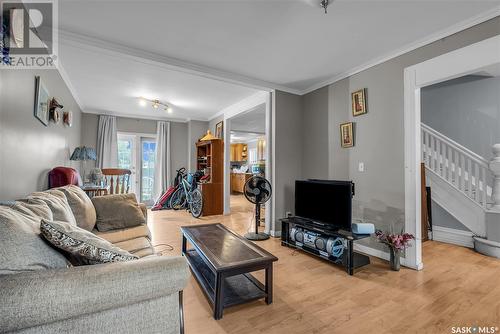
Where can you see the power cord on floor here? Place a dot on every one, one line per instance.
(167, 248)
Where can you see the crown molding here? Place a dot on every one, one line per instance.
(146, 117)
(67, 81)
(118, 50)
(488, 15)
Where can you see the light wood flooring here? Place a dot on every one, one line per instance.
(457, 287)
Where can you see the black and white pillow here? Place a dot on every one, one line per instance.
(83, 246)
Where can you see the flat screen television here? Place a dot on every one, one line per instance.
(325, 203)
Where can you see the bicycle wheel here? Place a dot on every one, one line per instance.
(178, 199)
(196, 204)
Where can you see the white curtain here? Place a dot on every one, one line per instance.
(107, 142)
(162, 163)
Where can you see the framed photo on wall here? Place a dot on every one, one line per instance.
(219, 130)
(347, 134)
(41, 101)
(358, 100)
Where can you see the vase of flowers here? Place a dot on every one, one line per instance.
(397, 243)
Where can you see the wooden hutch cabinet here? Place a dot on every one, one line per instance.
(210, 159)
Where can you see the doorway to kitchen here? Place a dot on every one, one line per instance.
(137, 152)
(247, 157)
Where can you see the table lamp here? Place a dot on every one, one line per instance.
(83, 153)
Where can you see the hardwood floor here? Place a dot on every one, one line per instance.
(457, 287)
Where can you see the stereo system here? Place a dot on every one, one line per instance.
(325, 245)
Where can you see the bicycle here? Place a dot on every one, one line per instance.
(187, 195)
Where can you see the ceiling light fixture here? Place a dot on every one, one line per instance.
(156, 104)
(324, 4)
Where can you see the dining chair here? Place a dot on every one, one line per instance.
(118, 180)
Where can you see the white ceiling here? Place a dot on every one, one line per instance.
(244, 137)
(252, 121)
(105, 83)
(283, 44)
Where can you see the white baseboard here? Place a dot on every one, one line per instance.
(383, 255)
(275, 234)
(453, 236)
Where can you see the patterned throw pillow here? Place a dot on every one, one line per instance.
(83, 246)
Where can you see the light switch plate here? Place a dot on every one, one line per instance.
(361, 167)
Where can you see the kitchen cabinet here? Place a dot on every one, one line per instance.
(239, 152)
(237, 181)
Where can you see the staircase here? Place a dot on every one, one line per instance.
(464, 184)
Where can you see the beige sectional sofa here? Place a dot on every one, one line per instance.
(140, 296)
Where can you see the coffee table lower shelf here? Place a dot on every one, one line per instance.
(237, 289)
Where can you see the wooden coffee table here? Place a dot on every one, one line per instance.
(221, 261)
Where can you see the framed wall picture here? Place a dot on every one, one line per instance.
(42, 98)
(358, 100)
(219, 130)
(347, 134)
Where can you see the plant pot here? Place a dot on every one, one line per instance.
(395, 259)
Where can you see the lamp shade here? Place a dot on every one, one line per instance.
(83, 153)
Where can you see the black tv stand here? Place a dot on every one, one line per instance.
(349, 259)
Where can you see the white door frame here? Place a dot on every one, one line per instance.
(464, 61)
(229, 113)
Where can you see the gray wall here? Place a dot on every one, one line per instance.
(178, 135)
(314, 127)
(379, 134)
(213, 122)
(28, 148)
(288, 139)
(338, 113)
(196, 130)
(467, 112)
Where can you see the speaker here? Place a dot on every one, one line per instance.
(335, 247)
(320, 243)
(297, 234)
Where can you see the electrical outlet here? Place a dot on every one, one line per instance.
(361, 167)
(288, 214)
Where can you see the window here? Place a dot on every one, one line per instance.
(137, 152)
(252, 155)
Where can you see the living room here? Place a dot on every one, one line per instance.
(351, 115)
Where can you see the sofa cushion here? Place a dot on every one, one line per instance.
(58, 204)
(83, 246)
(124, 234)
(140, 245)
(117, 211)
(22, 248)
(81, 206)
(35, 208)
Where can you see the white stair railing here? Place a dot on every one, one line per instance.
(463, 169)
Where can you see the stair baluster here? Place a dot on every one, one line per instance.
(461, 168)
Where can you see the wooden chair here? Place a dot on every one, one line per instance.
(117, 179)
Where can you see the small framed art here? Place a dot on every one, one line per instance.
(358, 100)
(347, 134)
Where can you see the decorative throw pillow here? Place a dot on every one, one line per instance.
(58, 204)
(81, 205)
(22, 248)
(117, 211)
(83, 246)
